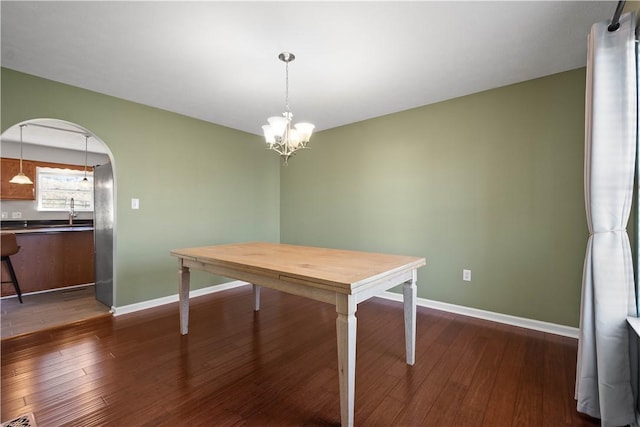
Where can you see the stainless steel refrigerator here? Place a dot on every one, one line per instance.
(103, 222)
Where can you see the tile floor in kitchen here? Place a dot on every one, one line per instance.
(46, 310)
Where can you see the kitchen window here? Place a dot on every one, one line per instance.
(56, 187)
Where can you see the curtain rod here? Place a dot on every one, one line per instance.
(57, 128)
(615, 21)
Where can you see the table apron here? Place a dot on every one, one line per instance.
(292, 285)
(372, 289)
(314, 293)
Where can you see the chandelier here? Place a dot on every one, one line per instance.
(279, 135)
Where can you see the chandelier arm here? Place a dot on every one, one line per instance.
(277, 148)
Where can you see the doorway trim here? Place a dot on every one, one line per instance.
(112, 160)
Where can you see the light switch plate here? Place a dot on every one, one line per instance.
(135, 203)
(5, 215)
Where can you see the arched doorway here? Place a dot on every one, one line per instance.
(62, 142)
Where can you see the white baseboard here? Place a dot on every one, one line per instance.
(536, 325)
(131, 308)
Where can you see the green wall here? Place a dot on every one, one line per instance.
(490, 182)
(198, 183)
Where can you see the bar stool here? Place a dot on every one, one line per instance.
(9, 246)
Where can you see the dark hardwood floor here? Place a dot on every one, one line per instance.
(279, 367)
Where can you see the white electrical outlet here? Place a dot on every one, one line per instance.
(5, 215)
(16, 215)
(466, 275)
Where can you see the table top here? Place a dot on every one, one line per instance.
(330, 266)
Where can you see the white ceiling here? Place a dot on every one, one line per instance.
(217, 61)
(65, 135)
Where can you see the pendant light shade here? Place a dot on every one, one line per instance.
(21, 178)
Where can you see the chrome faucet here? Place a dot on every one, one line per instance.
(72, 212)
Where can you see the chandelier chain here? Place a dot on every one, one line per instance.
(286, 100)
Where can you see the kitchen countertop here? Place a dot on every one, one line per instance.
(45, 226)
(46, 229)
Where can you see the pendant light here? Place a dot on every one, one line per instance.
(85, 184)
(21, 178)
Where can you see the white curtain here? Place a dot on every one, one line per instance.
(603, 380)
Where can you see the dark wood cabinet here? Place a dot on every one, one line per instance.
(51, 260)
(8, 169)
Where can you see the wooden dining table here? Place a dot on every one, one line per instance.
(340, 277)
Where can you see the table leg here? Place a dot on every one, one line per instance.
(183, 293)
(409, 301)
(346, 326)
(256, 297)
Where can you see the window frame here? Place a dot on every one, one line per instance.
(75, 173)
